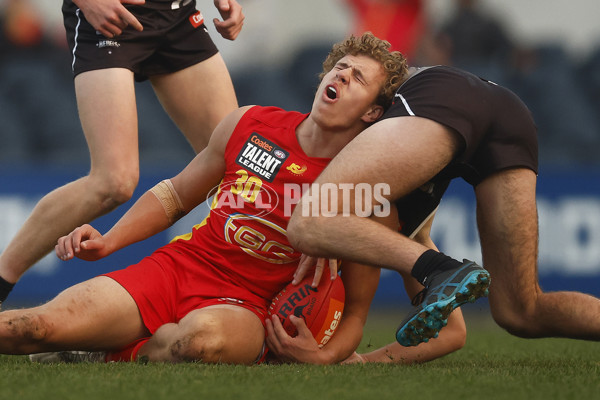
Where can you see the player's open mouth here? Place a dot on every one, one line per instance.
(331, 92)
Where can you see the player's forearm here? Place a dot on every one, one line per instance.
(395, 353)
(344, 342)
(450, 339)
(360, 282)
(144, 219)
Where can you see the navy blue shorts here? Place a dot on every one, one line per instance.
(496, 129)
(171, 40)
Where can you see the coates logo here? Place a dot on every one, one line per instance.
(247, 195)
(337, 317)
(197, 19)
(261, 156)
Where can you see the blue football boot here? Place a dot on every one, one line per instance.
(444, 291)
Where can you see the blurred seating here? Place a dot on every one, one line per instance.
(588, 76)
(39, 122)
(549, 84)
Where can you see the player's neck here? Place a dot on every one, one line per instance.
(324, 143)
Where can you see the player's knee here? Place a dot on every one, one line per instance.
(204, 346)
(203, 341)
(518, 321)
(27, 328)
(121, 187)
(115, 188)
(514, 326)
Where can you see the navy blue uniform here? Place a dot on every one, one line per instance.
(174, 38)
(496, 128)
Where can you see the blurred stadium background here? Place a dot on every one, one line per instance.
(547, 52)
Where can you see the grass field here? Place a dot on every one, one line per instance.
(493, 365)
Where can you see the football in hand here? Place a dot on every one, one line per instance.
(320, 307)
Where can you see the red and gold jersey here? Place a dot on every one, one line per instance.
(244, 235)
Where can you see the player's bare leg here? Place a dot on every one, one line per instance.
(220, 333)
(98, 314)
(450, 339)
(107, 110)
(508, 225)
(396, 151)
(404, 153)
(197, 98)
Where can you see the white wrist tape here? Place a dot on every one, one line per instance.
(168, 197)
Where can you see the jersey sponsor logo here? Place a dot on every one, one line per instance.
(261, 156)
(296, 169)
(259, 238)
(197, 19)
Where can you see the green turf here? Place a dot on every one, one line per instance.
(492, 365)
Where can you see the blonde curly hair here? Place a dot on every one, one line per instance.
(367, 44)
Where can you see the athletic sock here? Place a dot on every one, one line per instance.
(128, 353)
(5, 288)
(432, 261)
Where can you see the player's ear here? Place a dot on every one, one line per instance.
(373, 114)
